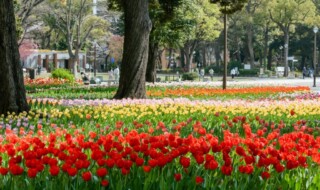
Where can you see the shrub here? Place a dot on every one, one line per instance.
(62, 74)
(250, 72)
(233, 64)
(268, 72)
(189, 76)
(216, 69)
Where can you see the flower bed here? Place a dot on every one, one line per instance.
(176, 155)
(164, 143)
(46, 83)
(209, 92)
(195, 92)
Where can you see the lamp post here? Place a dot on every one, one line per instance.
(315, 30)
(224, 79)
(95, 60)
(94, 57)
(285, 58)
(281, 54)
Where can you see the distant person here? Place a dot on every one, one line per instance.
(211, 72)
(85, 78)
(116, 73)
(197, 71)
(202, 73)
(310, 73)
(233, 72)
(110, 74)
(39, 70)
(304, 72)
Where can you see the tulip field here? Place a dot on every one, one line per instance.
(183, 136)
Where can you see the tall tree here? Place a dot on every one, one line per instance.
(163, 33)
(135, 53)
(286, 14)
(26, 7)
(23, 10)
(227, 7)
(136, 44)
(12, 90)
(202, 23)
(250, 10)
(76, 22)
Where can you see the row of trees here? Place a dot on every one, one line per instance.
(150, 26)
(257, 31)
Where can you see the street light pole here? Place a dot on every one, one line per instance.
(94, 61)
(281, 54)
(224, 83)
(315, 30)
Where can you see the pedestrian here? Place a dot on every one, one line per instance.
(202, 73)
(233, 72)
(116, 73)
(197, 71)
(110, 74)
(304, 72)
(85, 78)
(211, 71)
(39, 69)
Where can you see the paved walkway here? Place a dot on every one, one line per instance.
(292, 82)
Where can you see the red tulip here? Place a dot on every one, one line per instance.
(32, 172)
(199, 180)
(177, 177)
(146, 169)
(184, 161)
(265, 175)
(101, 172)
(86, 176)
(104, 183)
(54, 170)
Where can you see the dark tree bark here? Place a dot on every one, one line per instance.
(182, 58)
(250, 44)
(204, 58)
(217, 51)
(151, 66)
(269, 64)
(12, 90)
(265, 44)
(188, 49)
(135, 53)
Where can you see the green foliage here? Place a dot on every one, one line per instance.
(169, 5)
(290, 12)
(250, 72)
(230, 6)
(189, 76)
(268, 72)
(61, 45)
(62, 74)
(233, 64)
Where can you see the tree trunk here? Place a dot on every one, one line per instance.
(170, 57)
(269, 64)
(12, 90)
(204, 60)
(286, 47)
(238, 54)
(151, 66)
(265, 51)
(188, 51)
(250, 44)
(182, 59)
(188, 60)
(136, 46)
(217, 53)
(303, 62)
